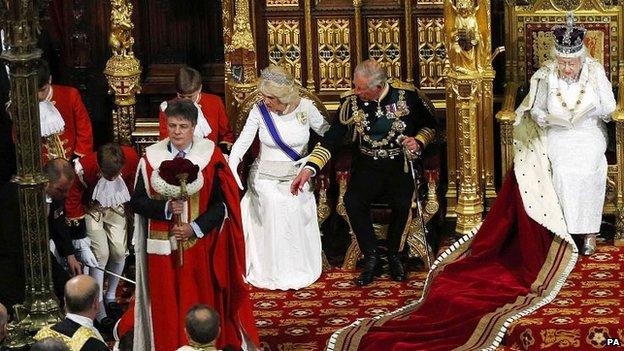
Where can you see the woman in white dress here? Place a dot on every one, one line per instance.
(573, 101)
(282, 237)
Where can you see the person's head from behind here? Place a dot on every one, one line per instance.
(181, 121)
(49, 344)
(44, 80)
(111, 159)
(82, 296)
(369, 80)
(60, 178)
(202, 324)
(278, 88)
(188, 83)
(4, 318)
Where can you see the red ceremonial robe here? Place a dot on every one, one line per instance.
(213, 265)
(214, 111)
(81, 191)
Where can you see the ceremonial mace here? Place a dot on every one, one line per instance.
(182, 178)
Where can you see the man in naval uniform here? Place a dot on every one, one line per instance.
(77, 330)
(390, 125)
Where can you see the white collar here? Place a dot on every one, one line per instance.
(82, 320)
(85, 322)
(51, 121)
(111, 193)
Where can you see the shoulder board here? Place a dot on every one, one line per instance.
(347, 93)
(402, 85)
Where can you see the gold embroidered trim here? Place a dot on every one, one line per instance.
(425, 136)
(319, 156)
(75, 343)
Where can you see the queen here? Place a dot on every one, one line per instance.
(571, 100)
(282, 237)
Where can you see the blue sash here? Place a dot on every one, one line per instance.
(294, 155)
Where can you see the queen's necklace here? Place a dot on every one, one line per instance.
(579, 98)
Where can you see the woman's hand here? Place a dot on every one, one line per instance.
(299, 182)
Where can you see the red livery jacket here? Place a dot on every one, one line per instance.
(81, 191)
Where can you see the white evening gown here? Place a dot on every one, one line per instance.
(577, 153)
(282, 237)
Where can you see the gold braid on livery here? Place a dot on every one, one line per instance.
(319, 156)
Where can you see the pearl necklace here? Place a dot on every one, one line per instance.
(579, 98)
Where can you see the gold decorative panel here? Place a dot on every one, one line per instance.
(282, 3)
(431, 52)
(334, 48)
(384, 38)
(284, 45)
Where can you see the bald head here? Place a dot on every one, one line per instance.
(202, 324)
(81, 295)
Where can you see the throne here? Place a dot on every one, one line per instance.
(424, 203)
(321, 181)
(529, 41)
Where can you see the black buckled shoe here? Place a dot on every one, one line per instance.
(397, 270)
(371, 269)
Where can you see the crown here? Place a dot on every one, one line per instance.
(568, 37)
(276, 77)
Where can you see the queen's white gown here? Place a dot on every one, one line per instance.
(282, 237)
(577, 151)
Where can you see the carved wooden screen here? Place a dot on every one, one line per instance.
(321, 41)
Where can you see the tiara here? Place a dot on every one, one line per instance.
(278, 78)
(568, 37)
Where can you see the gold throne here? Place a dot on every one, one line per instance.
(529, 41)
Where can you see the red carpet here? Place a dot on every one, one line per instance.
(305, 319)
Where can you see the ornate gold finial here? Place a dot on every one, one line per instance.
(123, 70)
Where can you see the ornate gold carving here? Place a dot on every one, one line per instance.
(282, 3)
(120, 39)
(284, 45)
(240, 65)
(123, 71)
(242, 38)
(334, 50)
(464, 38)
(431, 52)
(309, 53)
(384, 44)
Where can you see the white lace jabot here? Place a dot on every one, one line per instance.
(111, 193)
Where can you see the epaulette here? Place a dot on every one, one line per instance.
(343, 112)
(397, 84)
(347, 93)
